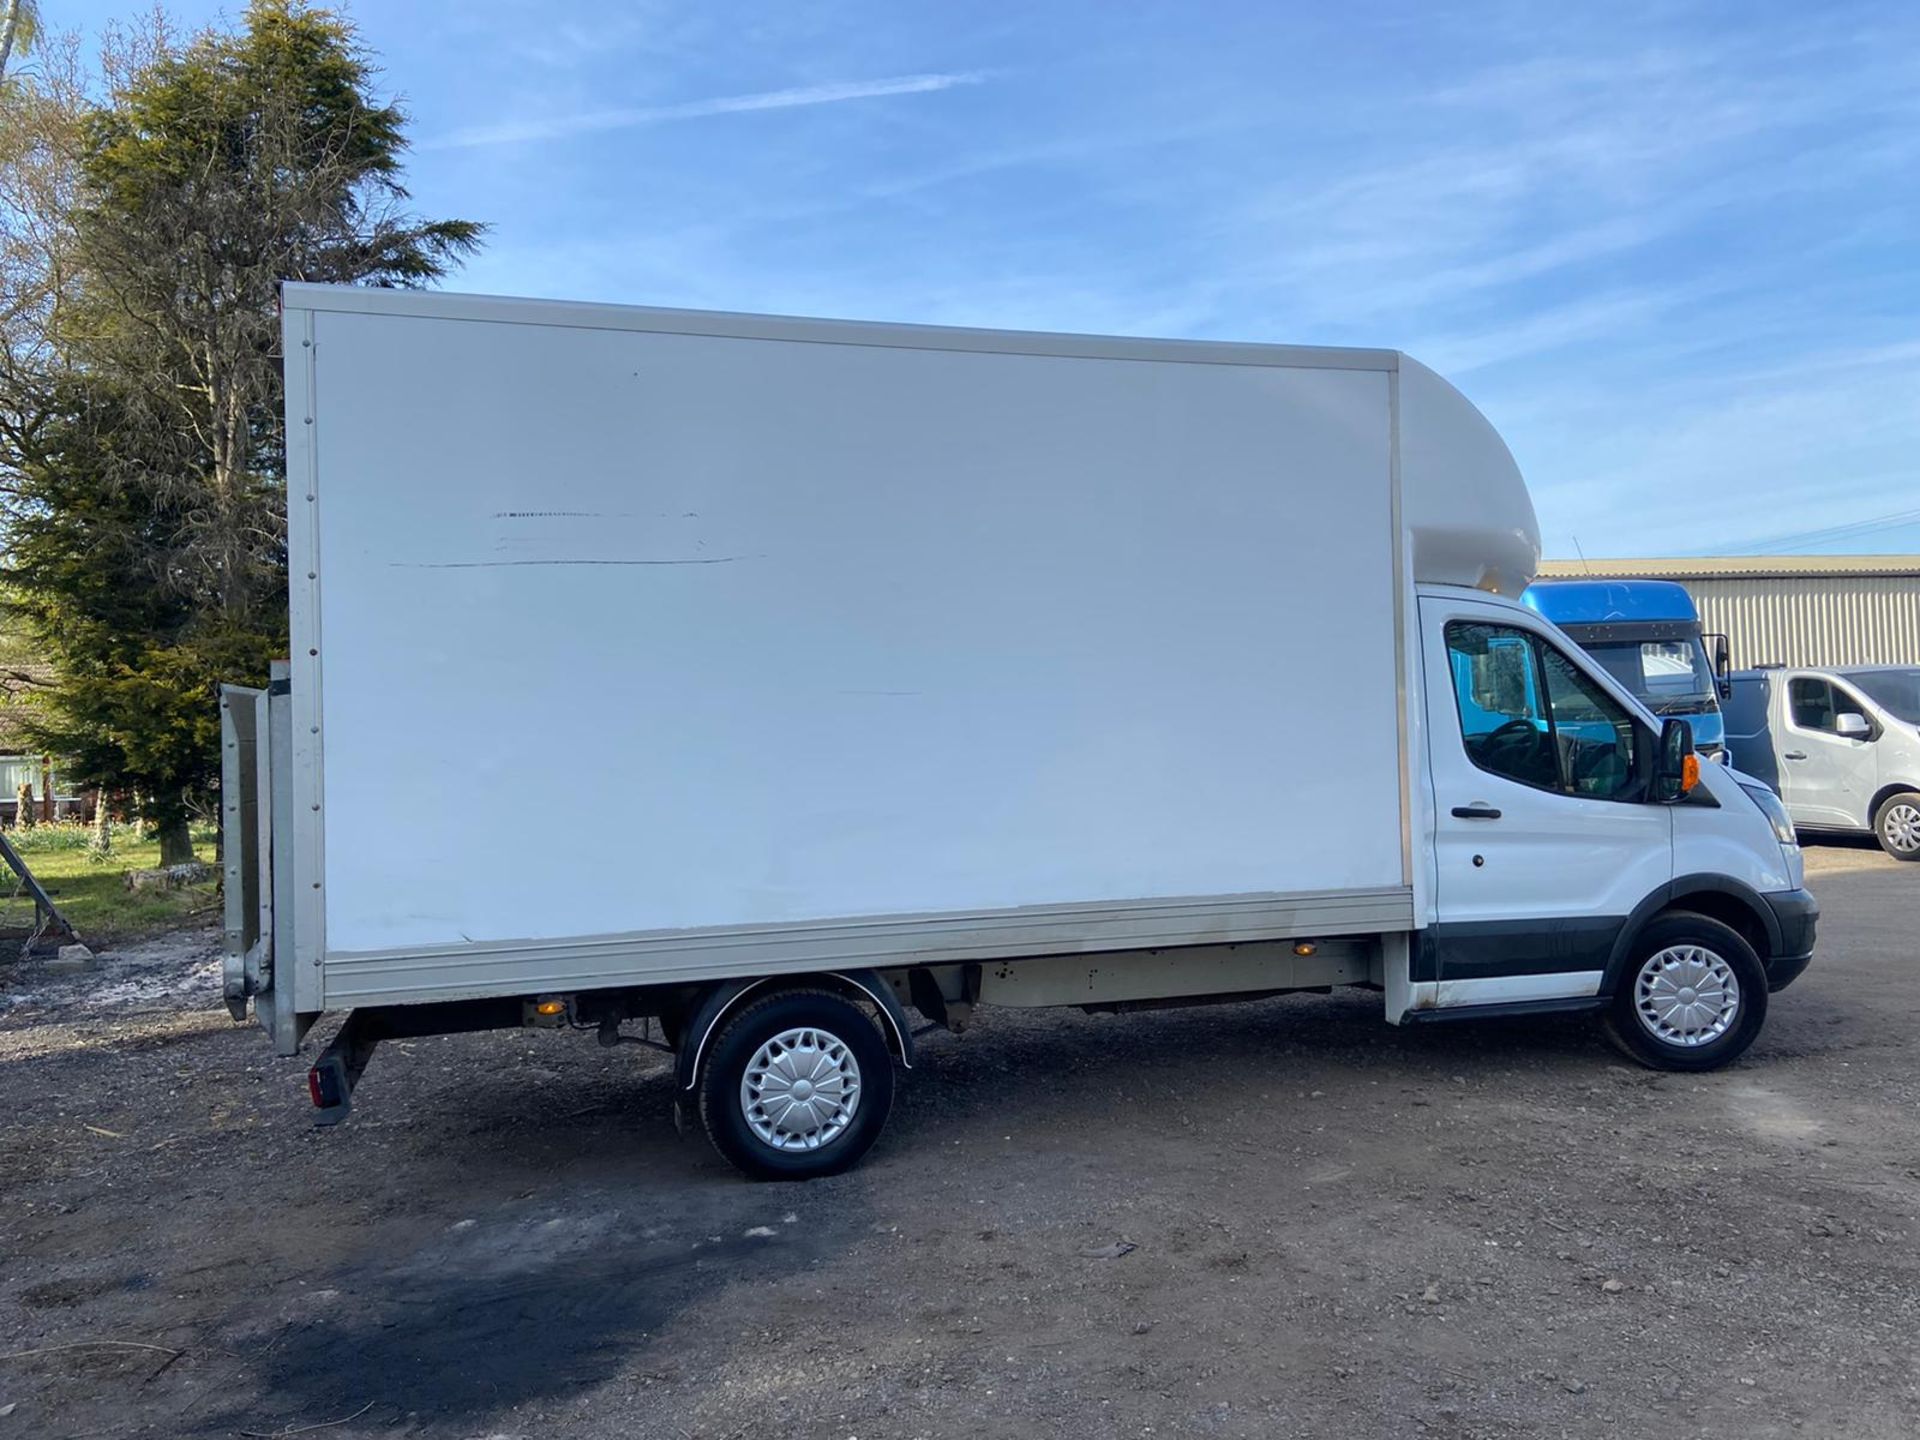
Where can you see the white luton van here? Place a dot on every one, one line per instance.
(863, 674)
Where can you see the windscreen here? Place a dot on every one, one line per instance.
(1895, 691)
(1673, 677)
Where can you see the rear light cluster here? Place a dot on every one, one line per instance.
(324, 1084)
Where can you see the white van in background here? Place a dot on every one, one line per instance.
(1840, 747)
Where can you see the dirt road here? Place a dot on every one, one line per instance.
(1338, 1228)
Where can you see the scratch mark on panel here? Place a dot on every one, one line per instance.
(498, 564)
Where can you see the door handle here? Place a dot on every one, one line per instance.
(1475, 812)
(1794, 755)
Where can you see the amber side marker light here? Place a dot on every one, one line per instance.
(1689, 774)
(1305, 947)
(550, 1007)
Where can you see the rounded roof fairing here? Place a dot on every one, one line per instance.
(1463, 501)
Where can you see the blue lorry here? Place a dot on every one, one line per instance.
(1646, 633)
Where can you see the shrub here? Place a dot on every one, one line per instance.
(57, 835)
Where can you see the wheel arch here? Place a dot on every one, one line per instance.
(1884, 794)
(1718, 897)
(728, 996)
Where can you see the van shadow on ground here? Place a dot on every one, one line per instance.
(535, 1297)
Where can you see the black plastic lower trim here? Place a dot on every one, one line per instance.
(1783, 970)
(1578, 1005)
(1797, 916)
(1686, 885)
(1674, 895)
(1559, 945)
(1496, 949)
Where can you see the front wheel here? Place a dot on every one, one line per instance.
(1896, 825)
(1693, 997)
(797, 1085)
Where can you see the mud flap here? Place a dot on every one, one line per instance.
(1392, 965)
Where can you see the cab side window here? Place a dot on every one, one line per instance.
(1531, 715)
(1502, 719)
(1811, 702)
(1845, 702)
(1593, 734)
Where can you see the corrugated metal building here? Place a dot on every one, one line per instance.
(1791, 609)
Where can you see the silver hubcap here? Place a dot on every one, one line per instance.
(1901, 826)
(801, 1089)
(1686, 995)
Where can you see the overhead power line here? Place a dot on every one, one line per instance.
(1776, 544)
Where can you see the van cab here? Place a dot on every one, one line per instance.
(1840, 747)
(1558, 860)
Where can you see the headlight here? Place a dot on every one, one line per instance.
(1775, 812)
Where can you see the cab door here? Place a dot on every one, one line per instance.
(1543, 844)
(1826, 778)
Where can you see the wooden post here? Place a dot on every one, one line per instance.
(46, 788)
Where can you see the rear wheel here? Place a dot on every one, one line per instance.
(797, 1085)
(1896, 825)
(1693, 997)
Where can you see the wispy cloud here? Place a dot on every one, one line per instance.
(560, 127)
(1670, 259)
(1578, 322)
(1725, 459)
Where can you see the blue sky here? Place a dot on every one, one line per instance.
(1671, 250)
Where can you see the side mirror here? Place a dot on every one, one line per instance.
(1851, 726)
(1722, 664)
(1676, 769)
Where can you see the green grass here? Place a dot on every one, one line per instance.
(91, 889)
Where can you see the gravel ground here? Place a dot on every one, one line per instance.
(1337, 1228)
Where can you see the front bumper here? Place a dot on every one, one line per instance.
(1797, 914)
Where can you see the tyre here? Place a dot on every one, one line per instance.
(798, 1084)
(1896, 825)
(1693, 996)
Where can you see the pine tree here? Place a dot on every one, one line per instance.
(146, 524)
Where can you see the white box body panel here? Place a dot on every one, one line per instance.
(621, 629)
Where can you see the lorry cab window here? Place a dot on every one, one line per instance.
(1529, 714)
